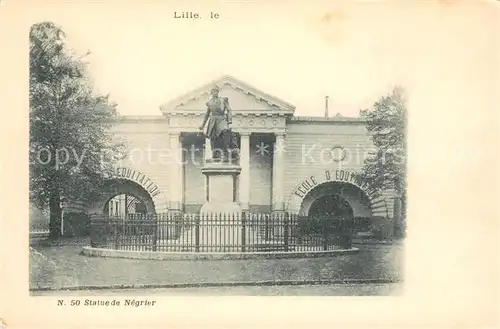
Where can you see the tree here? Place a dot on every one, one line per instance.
(385, 168)
(71, 149)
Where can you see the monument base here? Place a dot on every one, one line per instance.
(220, 185)
(220, 207)
(220, 216)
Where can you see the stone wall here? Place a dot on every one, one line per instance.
(309, 145)
(147, 143)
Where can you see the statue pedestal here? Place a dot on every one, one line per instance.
(220, 187)
(220, 216)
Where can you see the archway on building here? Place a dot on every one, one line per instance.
(330, 205)
(336, 196)
(125, 204)
(123, 197)
(338, 200)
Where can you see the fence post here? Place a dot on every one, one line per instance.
(243, 231)
(93, 231)
(286, 225)
(115, 233)
(266, 226)
(300, 228)
(155, 232)
(325, 233)
(197, 232)
(179, 221)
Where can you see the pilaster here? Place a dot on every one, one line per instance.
(244, 179)
(176, 178)
(278, 171)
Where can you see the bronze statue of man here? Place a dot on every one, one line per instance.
(219, 119)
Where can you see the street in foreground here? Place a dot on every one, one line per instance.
(303, 290)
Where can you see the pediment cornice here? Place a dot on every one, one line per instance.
(258, 102)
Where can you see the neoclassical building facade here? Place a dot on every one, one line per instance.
(305, 165)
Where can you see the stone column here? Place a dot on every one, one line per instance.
(244, 179)
(182, 156)
(278, 171)
(176, 173)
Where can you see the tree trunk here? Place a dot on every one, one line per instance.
(399, 208)
(403, 215)
(55, 215)
(397, 216)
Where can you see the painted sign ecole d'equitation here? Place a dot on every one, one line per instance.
(335, 175)
(139, 178)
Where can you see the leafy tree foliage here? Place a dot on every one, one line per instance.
(71, 150)
(385, 168)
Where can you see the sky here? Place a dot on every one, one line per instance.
(298, 51)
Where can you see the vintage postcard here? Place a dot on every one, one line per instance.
(291, 157)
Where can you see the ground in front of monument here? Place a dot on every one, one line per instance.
(348, 289)
(61, 270)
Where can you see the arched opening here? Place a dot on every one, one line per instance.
(336, 196)
(331, 205)
(335, 200)
(124, 204)
(122, 197)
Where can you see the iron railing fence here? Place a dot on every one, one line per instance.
(220, 232)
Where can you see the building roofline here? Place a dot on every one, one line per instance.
(327, 119)
(292, 119)
(141, 118)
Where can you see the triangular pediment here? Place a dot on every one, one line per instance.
(242, 98)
